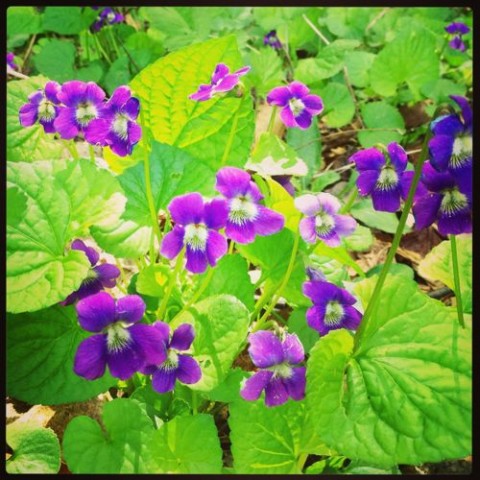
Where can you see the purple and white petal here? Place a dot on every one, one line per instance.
(217, 247)
(92, 255)
(216, 213)
(456, 223)
(344, 225)
(329, 203)
(188, 370)
(275, 393)
(316, 319)
(134, 132)
(268, 222)
(368, 159)
(163, 380)
(72, 92)
(164, 330)
(307, 204)
(96, 131)
(244, 233)
(304, 119)
(196, 260)
(94, 93)
(332, 239)
(287, 117)
(28, 114)
(226, 84)
(130, 308)
(232, 181)
(352, 318)
(398, 156)
(242, 71)
(132, 108)
(279, 96)
(436, 181)
(96, 312)
(298, 89)
(313, 103)
(405, 184)
(51, 91)
(307, 229)
(253, 386)
(65, 123)
(172, 242)
(125, 361)
(293, 349)
(120, 97)
(187, 208)
(447, 125)
(386, 200)
(203, 93)
(296, 383)
(464, 104)
(90, 357)
(221, 70)
(150, 341)
(183, 337)
(265, 349)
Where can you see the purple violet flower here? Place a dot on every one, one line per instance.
(122, 343)
(298, 105)
(177, 366)
(83, 103)
(107, 16)
(285, 182)
(383, 176)
(322, 220)
(117, 127)
(222, 81)
(457, 29)
(196, 225)
(451, 146)
(99, 276)
(272, 40)
(246, 217)
(11, 61)
(447, 201)
(276, 374)
(332, 307)
(42, 106)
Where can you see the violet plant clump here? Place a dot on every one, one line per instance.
(108, 16)
(456, 30)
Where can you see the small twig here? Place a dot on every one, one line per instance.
(339, 169)
(316, 30)
(377, 18)
(14, 73)
(29, 50)
(411, 152)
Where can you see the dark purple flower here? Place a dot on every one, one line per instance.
(382, 176)
(99, 276)
(451, 146)
(322, 220)
(122, 343)
(447, 201)
(222, 81)
(276, 374)
(177, 366)
(246, 217)
(285, 182)
(457, 29)
(272, 40)
(107, 16)
(42, 106)
(11, 61)
(117, 127)
(83, 103)
(298, 105)
(196, 225)
(332, 307)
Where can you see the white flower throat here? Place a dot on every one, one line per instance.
(85, 113)
(333, 313)
(283, 370)
(120, 126)
(324, 223)
(296, 106)
(117, 337)
(242, 210)
(196, 235)
(46, 110)
(462, 149)
(388, 178)
(453, 201)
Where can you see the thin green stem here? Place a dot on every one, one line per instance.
(271, 122)
(374, 299)
(194, 402)
(91, 151)
(87, 45)
(231, 136)
(101, 49)
(114, 42)
(231, 247)
(349, 203)
(171, 284)
(262, 300)
(152, 255)
(301, 461)
(70, 145)
(456, 280)
(286, 278)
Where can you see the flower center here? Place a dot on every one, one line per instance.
(117, 337)
(324, 223)
(46, 110)
(283, 370)
(111, 17)
(91, 276)
(462, 149)
(388, 179)
(85, 113)
(333, 313)
(242, 210)
(453, 201)
(171, 362)
(120, 126)
(196, 235)
(296, 106)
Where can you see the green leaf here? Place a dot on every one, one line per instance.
(338, 101)
(26, 144)
(55, 60)
(152, 280)
(361, 240)
(121, 445)
(221, 324)
(338, 253)
(270, 440)
(386, 121)
(187, 445)
(439, 90)
(437, 266)
(363, 211)
(325, 179)
(172, 171)
(41, 347)
(118, 74)
(358, 65)
(267, 71)
(63, 20)
(229, 390)
(297, 323)
(93, 72)
(403, 396)
(39, 271)
(230, 276)
(282, 202)
(35, 450)
(23, 20)
(202, 129)
(409, 58)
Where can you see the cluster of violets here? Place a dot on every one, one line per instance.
(456, 30)
(108, 16)
(78, 107)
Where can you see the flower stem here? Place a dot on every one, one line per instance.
(286, 278)
(374, 299)
(194, 402)
(231, 247)
(91, 151)
(173, 279)
(231, 136)
(101, 49)
(113, 41)
(71, 148)
(456, 280)
(349, 203)
(271, 122)
(301, 461)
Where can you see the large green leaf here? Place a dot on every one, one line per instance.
(437, 265)
(173, 172)
(121, 445)
(358, 65)
(267, 71)
(35, 450)
(39, 272)
(404, 394)
(63, 20)
(27, 143)
(187, 445)
(271, 440)
(221, 324)
(56, 60)
(339, 103)
(41, 347)
(201, 128)
(23, 20)
(409, 58)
